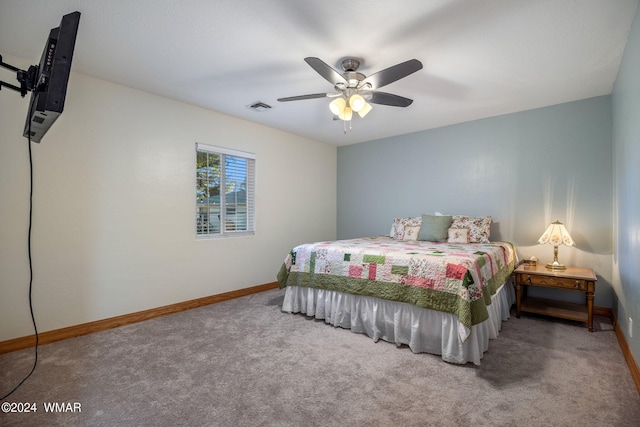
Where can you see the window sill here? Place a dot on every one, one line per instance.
(225, 236)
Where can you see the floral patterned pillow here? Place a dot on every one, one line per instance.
(479, 227)
(411, 232)
(458, 235)
(399, 224)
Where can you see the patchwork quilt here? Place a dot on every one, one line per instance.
(455, 278)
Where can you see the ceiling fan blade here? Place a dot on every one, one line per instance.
(331, 75)
(301, 97)
(392, 74)
(390, 99)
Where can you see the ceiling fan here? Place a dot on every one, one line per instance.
(354, 89)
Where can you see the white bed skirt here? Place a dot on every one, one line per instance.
(423, 330)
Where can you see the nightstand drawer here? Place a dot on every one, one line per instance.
(556, 282)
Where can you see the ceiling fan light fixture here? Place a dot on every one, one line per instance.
(337, 106)
(356, 102)
(353, 89)
(365, 110)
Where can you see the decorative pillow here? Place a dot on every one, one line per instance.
(411, 232)
(399, 224)
(434, 228)
(479, 227)
(458, 235)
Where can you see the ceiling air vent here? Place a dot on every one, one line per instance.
(259, 106)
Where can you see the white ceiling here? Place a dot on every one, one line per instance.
(481, 58)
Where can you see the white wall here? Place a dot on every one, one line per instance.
(114, 214)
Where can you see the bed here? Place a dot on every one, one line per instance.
(439, 294)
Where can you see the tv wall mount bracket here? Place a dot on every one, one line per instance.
(27, 79)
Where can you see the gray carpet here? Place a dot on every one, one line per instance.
(245, 363)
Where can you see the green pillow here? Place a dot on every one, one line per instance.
(435, 228)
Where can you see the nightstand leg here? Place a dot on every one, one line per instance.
(590, 311)
(518, 297)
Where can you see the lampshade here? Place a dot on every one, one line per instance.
(337, 106)
(365, 110)
(356, 102)
(556, 234)
(346, 114)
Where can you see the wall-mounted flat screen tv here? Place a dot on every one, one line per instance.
(50, 86)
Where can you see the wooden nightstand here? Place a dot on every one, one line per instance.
(574, 278)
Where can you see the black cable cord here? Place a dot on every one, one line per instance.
(33, 319)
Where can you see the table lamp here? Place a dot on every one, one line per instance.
(556, 235)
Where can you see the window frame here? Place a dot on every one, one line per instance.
(250, 192)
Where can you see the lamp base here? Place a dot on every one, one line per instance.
(556, 266)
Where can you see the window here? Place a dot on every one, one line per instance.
(225, 192)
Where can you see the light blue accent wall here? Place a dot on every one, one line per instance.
(626, 148)
(524, 169)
